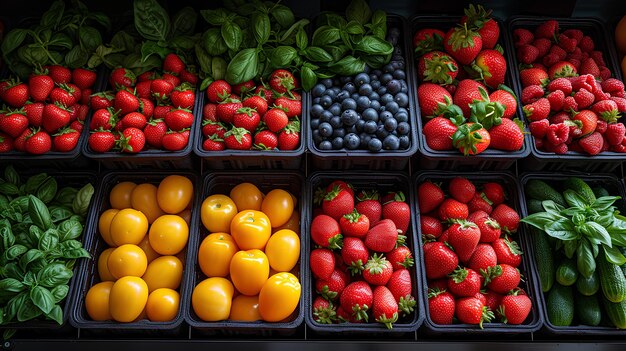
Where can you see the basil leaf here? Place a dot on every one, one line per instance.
(14, 252)
(49, 240)
(70, 230)
(326, 35)
(28, 310)
(9, 189)
(243, 67)
(282, 56)
(261, 24)
(570, 247)
(52, 17)
(613, 255)
(13, 40)
(65, 196)
(302, 40)
(151, 20)
(283, 15)
(77, 57)
(39, 213)
(358, 10)
(4, 201)
(604, 202)
(219, 68)
(33, 183)
(334, 20)
(11, 285)
(59, 214)
(42, 298)
(101, 19)
(204, 60)
(372, 45)
(53, 275)
(149, 48)
(184, 42)
(231, 33)
(552, 208)
(47, 190)
(14, 304)
(215, 17)
(184, 21)
(573, 199)
(60, 292)
(348, 66)
(205, 83)
(214, 44)
(562, 229)
(30, 256)
(376, 61)
(317, 54)
(89, 37)
(11, 175)
(379, 24)
(11, 270)
(354, 27)
(82, 199)
(56, 314)
(284, 37)
(585, 261)
(309, 79)
(337, 51)
(8, 239)
(76, 253)
(600, 233)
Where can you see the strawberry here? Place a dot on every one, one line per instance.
(218, 91)
(54, 118)
(592, 143)
(175, 141)
(463, 237)
(401, 257)
(14, 123)
(238, 139)
(134, 119)
(322, 263)
(471, 310)
(607, 110)
(354, 224)
(333, 287)
(377, 270)
(476, 216)
(508, 251)
(283, 81)
(527, 54)
(398, 211)
(502, 278)
(170, 78)
(143, 91)
(491, 66)
(562, 84)
(383, 236)
(256, 102)
(483, 257)
(265, 140)
(161, 89)
(38, 143)
(562, 69)
(77, 126)
(325, 232)
(531, 94)
(357, 298)
(401, 288)
(40, 87)
(227, 109)
(464, 282)
(584, 98)
(84, 78)
(543, 45)
(341, 185)
(385, 307)
(147, 76)
(122, 78)
(441, 306)
(438, 133)
(452, 209)
(612, 86)
(427, 40)
(6, 143)
(103, 118)
(589, 66)
(266, 93)
(213, 143)
(154, 131)
(522, 36)
(173, 64)
(179, 119)
(461, 189)
(479, 18)
(210, 128)
(183, 97)
(478, 203)
(101, 100)
(246, 118)
(507, 217)
(621, 103)
(126, 102)
(66, 140)
(324, 311)
(132, 140)
(16, 94)
(337, 203)
(275, 119)
(533, 76)
(101, 141)
(538, 110)
(507, 99)
(289, 137)
(490, 229)
(244, 88)
(547, 29)
(59, 74)
(291, 107)
(437, 67)
(430, 97)
(494, 192)
(354, 253)
(439, 260)
(430, 226)
(471, 139)
(615, 133)
(467, 91)
(146, 107)
(160, 111)
(507, 136)
(369, 206)
(588, 119)
(429, 197)
(463, 44)
(515, 307)
(19, 143)
(189, 77)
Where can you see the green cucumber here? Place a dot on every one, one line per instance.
(567, 273)
(540, 190)
(616, 312)
(544, 257)
(600, 192)
(560, 305)
(581, 188)
(588, 286)
(588, 309)
(612, 280)
(534, 206)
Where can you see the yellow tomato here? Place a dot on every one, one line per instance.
(247, 197)
(162, 305)
(128, 226)
(278, 206)
(212, 298)
(251, 230)
(186, 215)
(283, 250)
(164, 272)
(144, 199)
(151, 255)
(279, 297)
(292, 224)
(169, 234)
(127, 260)
(97, 301)
(119, 197)
(128, 298)
(215, 253)
(217, 212)
(174, 193)
(245, 308)
(104, 225)
(103, 268)
(249, 271)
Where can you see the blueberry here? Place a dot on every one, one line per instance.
(348, 104)
(403, 110)
(392, 107)
(336, 89)
(361, 78)
(339, 132)
(402, 99)
(377, 72)
(349, 87)
(394, 86)
(330, 93)
(351, 141)
(336, 82)
(318, 90)
(375, 84)
(375, 104)
(315, 123)
(362, 103)
(367, 69)
(405, 142)
(337, 143)
(316, 100)
(375, 145)
(370, 127)
(385, 115)
(385, 78)
(391, 142)
(399, 74)
(328, 83)
(399, 64)
(369, 114)
(397, 57)
(335, 122)
(365, 89)
(360, 124)
(326, 145)
(335, 109)
(386, 98)
(325, 129)
(401, 116)
(405, 87)
(349, 117)
(387, 69)
(316, 110)
(373, 77)
(342, 95)
(355, 95)
(345, 79)
(382, 90)
(317, 138)
(391, 124)
(351, 129)
(374, 96)
(326, 116)
(365, 138)
(403, 128)
(381, 132)
(326, 101)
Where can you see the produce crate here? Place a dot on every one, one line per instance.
(364, 159)
(453, 159)
(46, 328)
(616, 188)
(222, 183)
(89, 269)
(534, 321)
(391, 181)
(539, 160)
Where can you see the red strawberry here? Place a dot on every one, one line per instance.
(38, 143)
(132, 140)
(492, 65)
(283, 81)
(369, 206)
(401, 257)
(382, 237)
(461, 189)
(246, 118)
(175, 141)
(101, 141)
(84, 78)
(357, 297)
(508, 251)
(562, 69)
(275, 119)
(266, 93)
(332, 287)
(289, 137)
(452, 209)
(547, 29)
(244, 88)
(430, 97)
(161, 89)
(377, 270)
(183, 97)
(40, 87)
(337, 203)
(19, 143)
(507, 136)
(437, 67)
(6, 142)
(612, 86)
(227, 109)
(430, 226)
(592, 144)
(323, 311)
(341, 185)
(385, 307)
(213, 143)
(588, 121)
(515, 307)
(401, 288)
(126, 102)
(122, 77)
(478, 203)
(507, 217)
(155, 131)
(291, 107)
(522, 36)
(170, 78)
(66, 140)
(463, 237)
(325, 232)
(607, 110)
(238, 139)
(173, 63)
(103, 118)
(463, 44)
(489, 229)
(621, 103)
(467, 91)
(471, 310)
(441, 306)
(533, 76)
(14, 123)
(494, 192)
(256, 102)
(265, 140)
(464, 282)
(527, 54)
(322, 263)
(538, 110)
(54, 118)
(615, 133)
(428, 39)
(134, 119)
(179, 119)
(354, 224)
(438, 133)
(502, 278)
(483, 257)
(398, 211)
(543, 45)
(189, 77)
(476, 216)
(507, 99)
(15, 94)
(142, 89)
(218, 91)
(354, 253)
(589, 66)
(480, 18)
(101, 100)
(439, 260)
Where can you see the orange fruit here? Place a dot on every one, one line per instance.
(620, 37)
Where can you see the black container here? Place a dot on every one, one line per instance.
(46, 328)
(489, 159)
(616, 188)
(89, 269)
(392, 181)
(222, 183)
(364, 159)
(250, 159)
(534, 321)
(539, 160)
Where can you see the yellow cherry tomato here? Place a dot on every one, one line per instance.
(247, 197)
(215, 254)
(128, 298)
(119, 197)
(104, 225)
(151, 255)
(186, 215)
(162, 305)
(245, 308)
(292, 224)
(127, 260)
(169, 234)
(129, 226)
(251, 230)
(103, 268)
(216, 213)
(283, 250)
(278, 206)
(144, 199)
(97, 301)
(212, 298)
(279, 297)
(164, 272)
(174, 193)
(249, 271)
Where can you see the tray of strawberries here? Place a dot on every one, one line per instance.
(469, 114)
(477, 275)
(571, 92)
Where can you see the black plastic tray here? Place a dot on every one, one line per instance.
(89, 269)
(615, 187)
(534, 321)
(250, 159)
(364, 159)
(63, 178)
(391, 181)
(489, 159)
(606, 161)
(222, 183)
